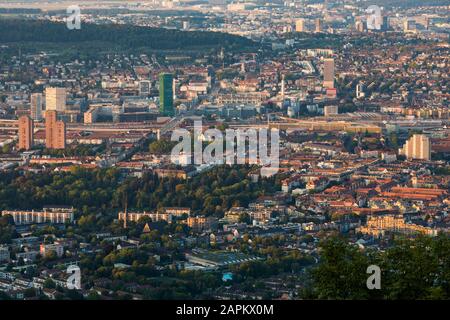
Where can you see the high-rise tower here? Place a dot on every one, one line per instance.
(26, 128)
(328, 73)
(36, 106)
(55, 131)
(166, 94)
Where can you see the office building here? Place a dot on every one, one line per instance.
(166, 94)
(417, 147)
(26, 130)
(36, 106)
(55, 131)
(55, 99)
(328, 73)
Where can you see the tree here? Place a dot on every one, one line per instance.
(410, 269)
(49, 284)
(417, 269)
(29, 293)
(93, 295)
(4, 296)
(6, 148)
(7, 229)
(245, 218)
(341, 273)
(161, 146)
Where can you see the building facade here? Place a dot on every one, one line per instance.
(330, 111)
(47, 215)
(328, 73)
(55, 99)
(144, 88)
(200, 223)
(46, 249)
(318, 25)
(26, 130)
(378, 225)
(300, 25)
(36, 102)
(55, 131)
(417, 147)
(136, 216)
(166, 94)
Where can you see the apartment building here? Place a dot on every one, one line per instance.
(26, 130)
(47, 215)
(46, 249)
(378, 225)
(417, 147)
(55, 131)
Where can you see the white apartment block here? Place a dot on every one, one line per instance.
(47, 215)
(417, 147)
(136, 216)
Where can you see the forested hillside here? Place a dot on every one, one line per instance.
(125, 36)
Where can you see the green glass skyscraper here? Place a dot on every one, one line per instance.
(166, 94)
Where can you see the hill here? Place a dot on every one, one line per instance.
(42, 33)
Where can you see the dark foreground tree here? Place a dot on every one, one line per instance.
(411, 269)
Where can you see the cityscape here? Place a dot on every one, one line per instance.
(225, 150)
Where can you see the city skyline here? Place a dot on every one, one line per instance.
(224, 151)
